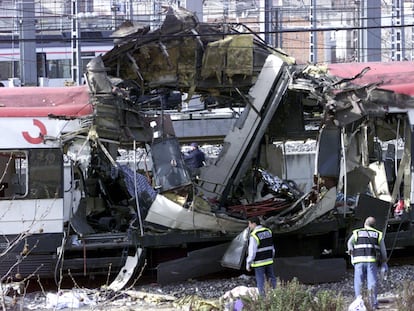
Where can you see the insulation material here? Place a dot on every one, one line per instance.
(227, 56)
(186, 62)
(214, 59)
(240, 56)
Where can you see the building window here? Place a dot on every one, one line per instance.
(58, 68)
(9, 69)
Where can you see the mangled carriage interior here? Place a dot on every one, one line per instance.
(353, 111)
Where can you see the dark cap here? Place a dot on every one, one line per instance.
(194, 145)
(255, 220)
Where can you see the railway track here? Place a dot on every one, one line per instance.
(399, 258)
(401, 269)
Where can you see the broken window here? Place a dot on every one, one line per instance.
(45, 173)
(13, 174)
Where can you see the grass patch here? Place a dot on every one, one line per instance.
(292, 296)
(405, 299)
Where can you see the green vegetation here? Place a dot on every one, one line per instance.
(292, 296)
(405, 299)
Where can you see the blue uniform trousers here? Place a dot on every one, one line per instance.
(261, 274)
(366, 271)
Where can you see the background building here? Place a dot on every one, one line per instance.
(49, 42)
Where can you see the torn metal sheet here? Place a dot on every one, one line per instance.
(389, 75)
(172, 215)
(329, 149)
(309, 270)
(78, 219)
(169, 168)
(197, 263)
(304, 216)
(236, 253)
(235, 157)
(379, 184)
(126, 272)
(369, 206)
(358, 180)
(191, 56)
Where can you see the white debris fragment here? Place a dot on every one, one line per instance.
(69, 299)
(231, 299)
(241, 291)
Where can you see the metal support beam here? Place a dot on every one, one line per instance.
(28, 62)
(370, 32)
(313, 44)
(397, 34)
(75, 45)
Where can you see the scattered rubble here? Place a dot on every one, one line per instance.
(200, 295)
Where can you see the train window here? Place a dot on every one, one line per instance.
(58, 68)
(13, 174)
(89, 55)
(9, 69)
(45, 174)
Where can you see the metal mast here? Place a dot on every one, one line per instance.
(27, 43)
(313, 44)
(370, 33)
(397, 34)
(75, 45)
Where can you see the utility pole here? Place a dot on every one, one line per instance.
(313, 43)
(355, 33)
(156, 11)
(114, 9)
(397, 34)
(75, 45)
(226, 10)
(277, 21)
(268, 9)
(412, 35)
(129, 11)
(369, 38)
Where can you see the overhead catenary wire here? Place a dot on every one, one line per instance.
(104, 13)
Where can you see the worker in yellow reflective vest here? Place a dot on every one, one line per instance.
(367, 250)
(260, 254)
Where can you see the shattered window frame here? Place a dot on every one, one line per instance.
(13, 174)
(45, 173)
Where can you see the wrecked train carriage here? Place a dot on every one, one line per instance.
(355, 108)
(65, 201)
(214, 60)
(235, 68)
(363, 156)
(372, 105)
(109, 206)
(49, 202)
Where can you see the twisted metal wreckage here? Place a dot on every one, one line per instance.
(67, 204)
